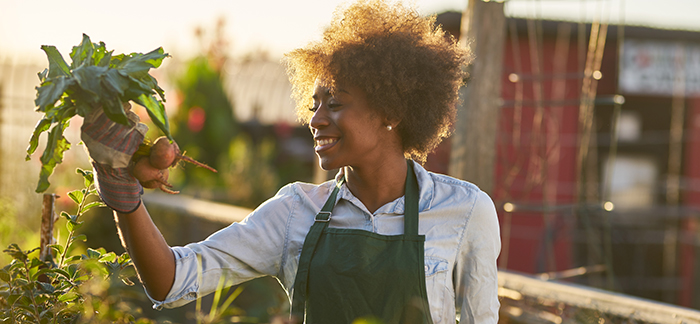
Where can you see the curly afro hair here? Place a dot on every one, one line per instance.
(408, 68)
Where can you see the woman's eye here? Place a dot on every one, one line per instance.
(314, 108)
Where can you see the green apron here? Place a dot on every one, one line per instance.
(347, 274)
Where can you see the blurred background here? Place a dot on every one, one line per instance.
(581, 120)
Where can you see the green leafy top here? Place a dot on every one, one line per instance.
(96, 78)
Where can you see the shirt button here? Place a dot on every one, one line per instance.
(427, 268)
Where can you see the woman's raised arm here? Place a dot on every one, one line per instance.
(154, 261)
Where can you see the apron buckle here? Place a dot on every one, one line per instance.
(318, 219)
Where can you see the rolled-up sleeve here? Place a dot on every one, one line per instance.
(240, 252)
(476, 273)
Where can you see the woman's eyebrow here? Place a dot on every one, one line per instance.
(325, 93)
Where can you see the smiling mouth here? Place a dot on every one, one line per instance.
(324, 143)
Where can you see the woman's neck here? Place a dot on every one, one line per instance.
(379, 184)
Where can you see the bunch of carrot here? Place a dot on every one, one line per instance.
(152, 162)
(99, 79)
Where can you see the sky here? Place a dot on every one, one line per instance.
(252, 25)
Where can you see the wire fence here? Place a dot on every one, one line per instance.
(17, 120)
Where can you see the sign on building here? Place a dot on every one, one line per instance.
(651, 67)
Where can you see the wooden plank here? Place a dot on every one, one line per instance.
(634, 308)
(213, 211)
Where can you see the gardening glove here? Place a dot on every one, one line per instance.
(111, 146)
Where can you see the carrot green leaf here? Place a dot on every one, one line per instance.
(156, 111)
(82, 54)
(95, 79)
(51, 90)
(57, 65)
(43, 125)
(53, 154)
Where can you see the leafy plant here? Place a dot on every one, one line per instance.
(95, 79)
(65, 287)
(220, 310)
(204, 123)
(70, 287)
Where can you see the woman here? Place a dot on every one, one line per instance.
(386, 238)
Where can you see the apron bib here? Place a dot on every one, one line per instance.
(348, 274)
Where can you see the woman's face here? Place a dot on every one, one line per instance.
(347, 132)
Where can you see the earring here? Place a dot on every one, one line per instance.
(388, 127)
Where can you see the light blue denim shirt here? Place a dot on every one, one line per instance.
(458, 220)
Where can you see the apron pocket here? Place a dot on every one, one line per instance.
(435, 283)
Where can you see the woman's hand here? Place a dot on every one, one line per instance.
(110, 146)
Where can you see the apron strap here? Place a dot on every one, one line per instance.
(307, 252)
(410, 218)
(325, 214)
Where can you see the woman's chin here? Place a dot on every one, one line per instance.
(327, 164)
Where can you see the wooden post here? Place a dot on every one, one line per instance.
(47, 220)
(473, 153)
(669, 268)
(586, 158)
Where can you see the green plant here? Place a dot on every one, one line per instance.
(90, 287)
(249, 173)
(219, 310)
(66, 287)
(204, 123)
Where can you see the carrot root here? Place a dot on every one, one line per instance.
(168, 191)
(197, 163)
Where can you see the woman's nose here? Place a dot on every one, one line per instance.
(320, 117)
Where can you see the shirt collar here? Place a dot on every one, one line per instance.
(426, 189)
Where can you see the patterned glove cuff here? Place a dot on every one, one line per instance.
(109, 143)
(118, 189)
